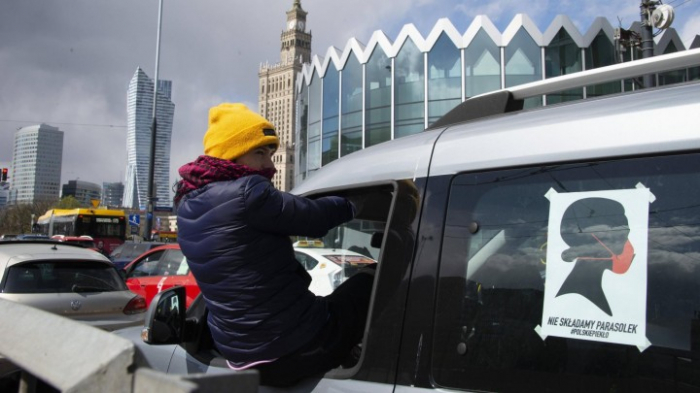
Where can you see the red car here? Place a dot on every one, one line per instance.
(158, 269)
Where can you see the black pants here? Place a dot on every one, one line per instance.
(348, 306)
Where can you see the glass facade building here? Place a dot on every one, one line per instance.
(139, 108)
(367, 94)
(84, 192)
(36, 164)
(112, 194)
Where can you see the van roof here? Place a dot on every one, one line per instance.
(648, 121)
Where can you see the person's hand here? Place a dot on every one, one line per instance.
(358, 203)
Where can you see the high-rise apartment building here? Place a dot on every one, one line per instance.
(36, 164)
(4, 194)
(139, 108)
(276, 101)
(83, 191)
(112, 194)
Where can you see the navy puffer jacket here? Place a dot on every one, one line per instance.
(235, 235)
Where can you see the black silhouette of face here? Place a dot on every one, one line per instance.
(596, 231)
(594, 228)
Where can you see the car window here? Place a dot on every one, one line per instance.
(172, 263)
(139, 248)
(117, 252)
(147, 266)
(584, 273)
(62, 276)
(306, 260)
(184, 268)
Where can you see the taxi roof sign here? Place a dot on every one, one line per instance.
(309, 243)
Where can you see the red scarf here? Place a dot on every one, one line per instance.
(206, 169)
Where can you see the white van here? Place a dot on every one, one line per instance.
(548, 249)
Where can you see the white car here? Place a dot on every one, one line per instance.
(68, 280)
(329, 267)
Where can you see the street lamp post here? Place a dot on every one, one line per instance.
(152, 195)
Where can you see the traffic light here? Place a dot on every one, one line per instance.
(4, 174)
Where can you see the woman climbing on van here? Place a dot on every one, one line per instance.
(234, 227)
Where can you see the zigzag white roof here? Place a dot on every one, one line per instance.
(562, 22)
(444, 25)
(664, 40)
(479, 23)
(599, 24)
(362, 53)
(522, 21)
(379, 38)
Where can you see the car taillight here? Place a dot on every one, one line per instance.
(337, 278)
(136, 305)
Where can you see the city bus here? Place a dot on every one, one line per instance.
(103, 225)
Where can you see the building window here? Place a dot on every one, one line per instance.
(562, 57)
(601, 53)
(410, 90)
(444, 78)
(670, 77)
(331, 110)
(314, 133)
(482, 65)
(351, 106)
(377, 98)
(523, 63)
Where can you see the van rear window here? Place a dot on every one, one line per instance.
(577, 277)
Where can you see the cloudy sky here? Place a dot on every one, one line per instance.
(68, 63)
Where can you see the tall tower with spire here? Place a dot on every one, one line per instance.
(276, 100)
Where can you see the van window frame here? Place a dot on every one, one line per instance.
(378, 360)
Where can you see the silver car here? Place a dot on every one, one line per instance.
(68, 280)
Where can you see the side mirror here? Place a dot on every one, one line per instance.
(165, 318)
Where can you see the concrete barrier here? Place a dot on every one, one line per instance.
(68, 355)
(75, 357)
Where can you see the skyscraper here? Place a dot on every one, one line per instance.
(139, 108)
(277, 86)
(36, 164)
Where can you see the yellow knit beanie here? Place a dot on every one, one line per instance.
(235, 130)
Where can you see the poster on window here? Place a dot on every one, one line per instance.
(596, 274)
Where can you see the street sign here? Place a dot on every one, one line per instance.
(134, 220)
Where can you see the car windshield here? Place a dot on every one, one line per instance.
(62, 276)
(117, 252)
(132, 250)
